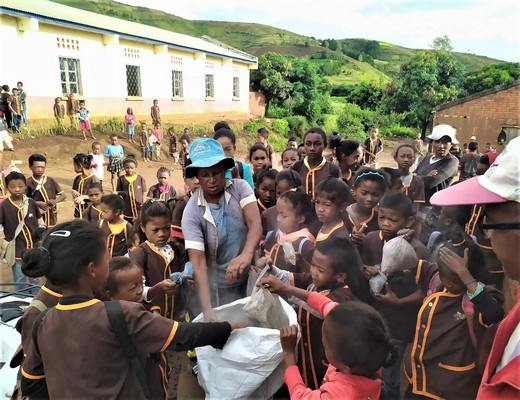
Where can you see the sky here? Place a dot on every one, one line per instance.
(484, 27)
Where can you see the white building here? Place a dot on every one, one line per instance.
(115, 64)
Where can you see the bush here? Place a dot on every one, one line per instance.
(297, 124)
(351, 127)
(277, 111)
(398, 131)
(281, 126)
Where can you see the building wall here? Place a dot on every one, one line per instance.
(35, 61)
(483, 117)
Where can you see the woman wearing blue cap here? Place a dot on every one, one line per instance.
(221, 226)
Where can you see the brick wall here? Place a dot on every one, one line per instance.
(483, 116)
(257, 104)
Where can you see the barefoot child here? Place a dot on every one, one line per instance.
(92, 213)
(172, 149)
(118, 232)
(73, 256)
(328, 362)
(82, 164)
(59, 113)
(130, 124)
(265, 189)
(98, 161)
(155, 113)
(159, 136)
(44, 190)
(162, 190)
(115, 154)
(135, 187)
(143, 142)
(84, 120)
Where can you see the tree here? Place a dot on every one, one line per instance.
(429, 79)
(490, 76)
(442, 43)
(365, 95)
(272, 78)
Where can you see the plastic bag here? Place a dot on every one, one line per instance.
(289, 252)
(398, 255)
(250, 366)
(377, 282)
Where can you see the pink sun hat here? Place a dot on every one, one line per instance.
(500, 183)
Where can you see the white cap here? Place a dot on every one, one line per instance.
(444, 130)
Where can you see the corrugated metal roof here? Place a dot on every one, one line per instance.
(59, 14)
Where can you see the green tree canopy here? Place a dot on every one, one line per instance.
(490, 76)
(429, 79)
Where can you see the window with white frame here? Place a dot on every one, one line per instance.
(70, 75)
(236, 87)
(133, 80)
(177, 84)
(210, 86)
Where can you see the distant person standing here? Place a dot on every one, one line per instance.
(59, 113)
(130, 124)
(72, 110)
(15, 106)
(262, 137)
(469, 161)
(155, 113)
(84, 120)
(4, 106)
(23, 96)
(373, 148)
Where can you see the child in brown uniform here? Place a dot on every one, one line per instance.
(73, 256)
(349, 154)
(118, 232)
(191, 184)
(413, 186)
(331, 276)
(265, 189)
(314, 167)
(443, 360)
(13, 210)
(331, 199)
(82, 164)
(294, 210)
(134, 186)
(361, 217)
(92, 213)
(162, 190)
(44, 190)
(159, 259)
(155, 113)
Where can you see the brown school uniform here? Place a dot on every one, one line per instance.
(269, 220)
(80, 185)
(50, 190)
(274, 250)
(371, 222)
(173, 145)
(59, 110)
(155, 113)
(373, 147)
(90, 342)
(135, 191)
(311, 177)
(441, 363)
(92, 214)
(340, 231)
(10, 216)
(177, 216)
(414, 190)
(118, 237)
(312, 361)
(157, 268)
(262, 207)
(372, 249)
(154, 193)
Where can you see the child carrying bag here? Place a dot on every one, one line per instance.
(9, 253)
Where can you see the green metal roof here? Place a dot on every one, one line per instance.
(58, 14)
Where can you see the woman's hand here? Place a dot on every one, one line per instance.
(288, 340)
(369, 271)
(237, 266)
(273, 284)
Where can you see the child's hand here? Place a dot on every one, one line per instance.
(369, 271)
(43, 205)
(457, 265)
(357, 238)
(262, 262)
(408, 234)
(167, 287)
(389, 297)
(75, 193)
(273, 284)
(288, 340)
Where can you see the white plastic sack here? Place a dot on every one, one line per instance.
(250, 366)
(377, 282)
(398, 255)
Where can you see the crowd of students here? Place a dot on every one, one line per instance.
(389, 286)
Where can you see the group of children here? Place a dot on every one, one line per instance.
(13, 106)
(330, 228)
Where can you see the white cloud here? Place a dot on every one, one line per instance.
(482, 27)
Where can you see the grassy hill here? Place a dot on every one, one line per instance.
(258, 39)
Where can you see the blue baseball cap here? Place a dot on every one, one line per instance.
(205, 153)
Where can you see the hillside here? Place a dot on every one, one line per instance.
(258, 39)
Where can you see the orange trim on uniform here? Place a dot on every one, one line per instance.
(312, 172)
(29, 376)
(311, 358)
(366, 221)
(81, 183)
(165, 276)
(418, 272)
(473, 221)
(458, 369)
(302, 352)
(262, 206)
(326, 235)
(170, 336)
(68, 307)
(51, 292)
